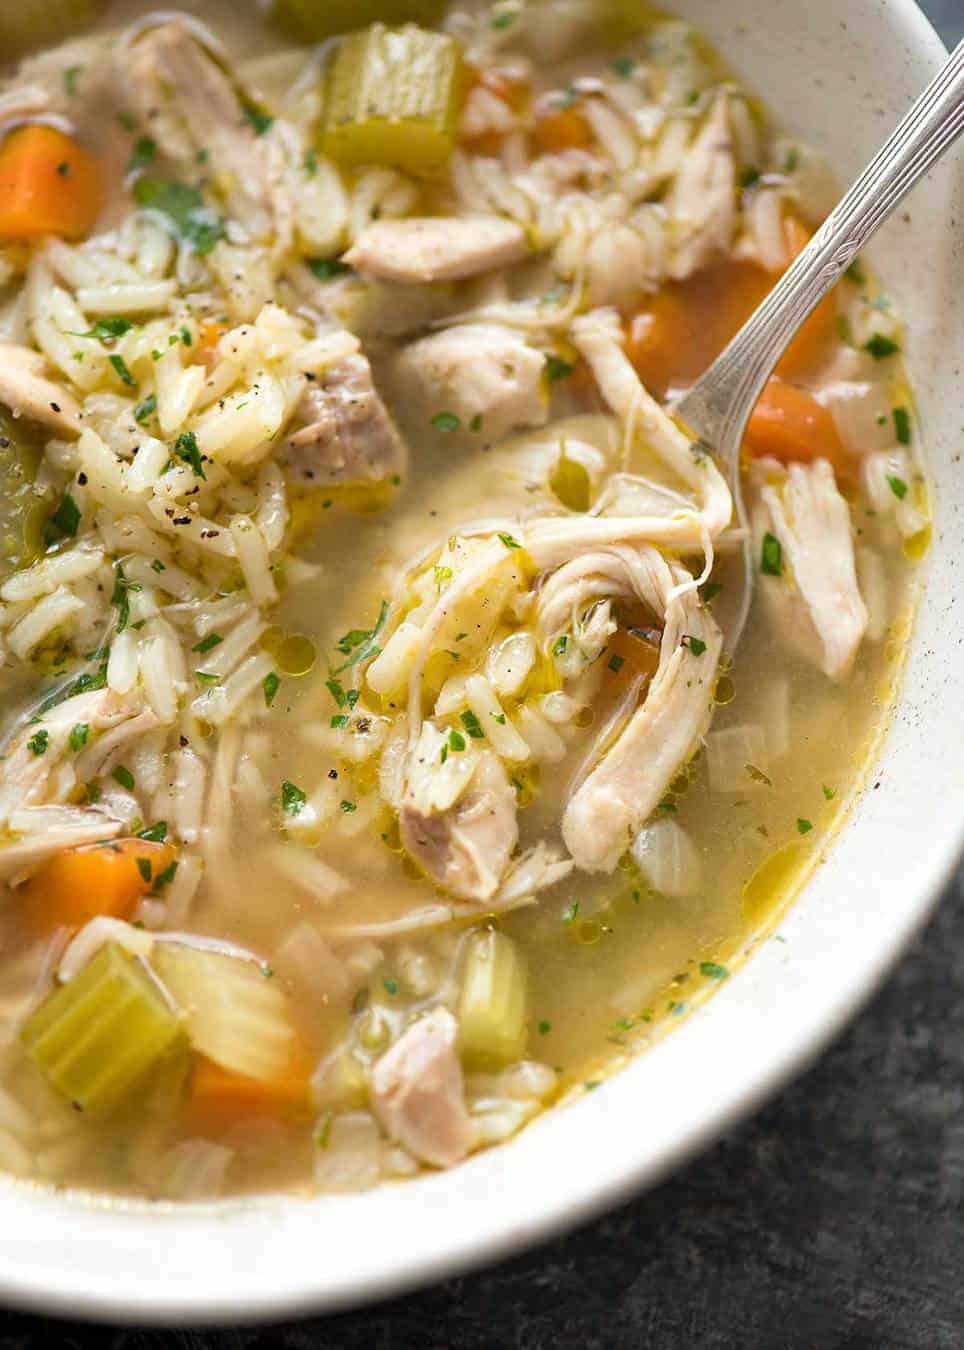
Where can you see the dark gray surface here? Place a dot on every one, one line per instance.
(834, 1220)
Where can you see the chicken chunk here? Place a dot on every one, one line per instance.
(816, 600)
(28, 391)
(417, 1092)
(346, 434)
(485, 374)
(466, 847)
(191, 108)
(437, 248)
(702, 201)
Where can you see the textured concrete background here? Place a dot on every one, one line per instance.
(831, 1221)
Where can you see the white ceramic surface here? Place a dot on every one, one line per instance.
(842, 83)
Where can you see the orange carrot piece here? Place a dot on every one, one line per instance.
(561, 129)
(220, 1097)
(809, 348)
(82, 883)
(49, 184)
(789, 424)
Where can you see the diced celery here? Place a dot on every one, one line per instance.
(492, 1006)
(29, 23)
(313, 20)
(391, 97)
(236, 1014)
(97, 1036)
(571, 484)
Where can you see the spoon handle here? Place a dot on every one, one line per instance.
(718, 405)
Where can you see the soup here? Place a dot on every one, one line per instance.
(375, 771)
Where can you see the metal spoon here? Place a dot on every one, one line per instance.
(716, 409)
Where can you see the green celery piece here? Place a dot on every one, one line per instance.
(391, 97)
(492, 1005)
(97, 1036)
(313, 20)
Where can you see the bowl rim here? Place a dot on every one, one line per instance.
(25, 1278)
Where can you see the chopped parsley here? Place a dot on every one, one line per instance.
(145, 869)
(270, 684)
(156, 833)
(456, 740)
(804, 826)
(124, 777)
(570, 912)
(509, 541)
(182, 211)
(443, 575)
(120, 596)
(167, 876)
(37, 745)
(106, 330)
(624, 66)
(67, 516)
(881, 347)
(711, 590)
(292, 799)
(902, 425)
(208, 643)
(476, 423)
(616, 663)
(359, 644)
(344, 698)
(206, 677)
(339, 721)
(326, 268)
(499, 717)
(157, 566)
(829, 792)
(391, 986)
(897, 486)
(792, 160)
(79, 735)
(544, 1028)
(70, 80)
(856, 273)
(560, 645)
(557, 369)
(713, 971)
(696, 645)
(771, 556)
(348, 807)
(145, 409)
(504, 20)
(667, 804)
(143, 153)
(446, 421)
(472, 725)
(120, 366)
(750, 177)
(260, 121)
(186, 448)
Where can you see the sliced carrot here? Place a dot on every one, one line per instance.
(210, 333)
(49, 184)
(789, 424)
(82, 883)
(561, 129)
(220, 1097)
(809, 348)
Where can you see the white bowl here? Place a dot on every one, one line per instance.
(842, 83)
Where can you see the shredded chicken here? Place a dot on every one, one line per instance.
(417, 1092)
(437, 248)
(28, 391)
(465, 847)
(487, 375)
(817, 599)
(346, 433)
(702, 200)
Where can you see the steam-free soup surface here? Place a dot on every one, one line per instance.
(376, 772)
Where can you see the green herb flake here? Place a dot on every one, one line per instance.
(792, 160)
(326, 268)
(106, 330)
(156, 833)
(624, 66)
(145, 409)
(544, 1028)
(391, 986)
(157, 566)
(504, 20)
(71, 75)
(711, 590)
(499, 717)
(667, 805)
(143, 154)
(771, 556)
(167, 876)
(881, 347)
(456, 741)
(804, 826)
(261, 121)
(292, 799)
(270, 684)
(348, 807)
(509, 542)
(120, 596)
(323, 1135)
(443, 575)
(750, 177)
(207, 677)
(557, 369)
(37, 745)
(145, 869)
(359, 644)
(79, 735)
(897, 486)
(476, 423)
(67, 516)
(208, 643)
(446, 421)
(856, 274)
(339, 721)
(696, 645)
(472, 725)
(829, 792)
(560, 645)
(713, 971)
(124, 777)
(570, 912)
(182, 211)
(186, 448)
(902, 425)
(120, 366)
(616, 663)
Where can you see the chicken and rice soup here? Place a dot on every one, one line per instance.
(374, 771)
